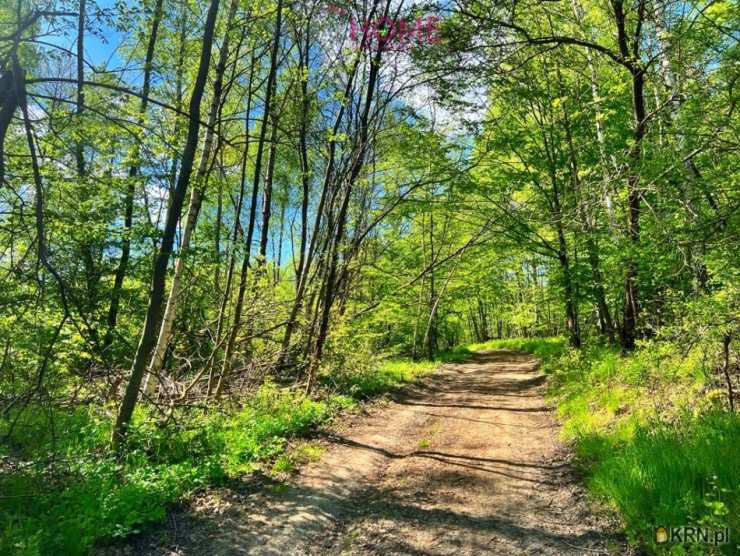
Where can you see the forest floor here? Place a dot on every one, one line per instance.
(465, 461)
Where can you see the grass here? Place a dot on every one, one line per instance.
(66, 504)
(650, 435)
(385, 376)
(65, 494)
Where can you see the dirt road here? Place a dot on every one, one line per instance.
(465, 462)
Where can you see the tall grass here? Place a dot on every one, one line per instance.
(378, 378)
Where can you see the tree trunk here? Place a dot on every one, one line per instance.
(634, 193)
(303, 278)
(156, 294)
(271, 78)
(358, 161)
(79, 145)
(267, 194)
(235, 232)
(608, 163)
(605, 320)
(196, 200)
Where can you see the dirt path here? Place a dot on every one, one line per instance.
(465, 462)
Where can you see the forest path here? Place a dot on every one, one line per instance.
(466, 461)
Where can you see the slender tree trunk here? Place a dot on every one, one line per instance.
(235, 231)
(79, 144)
(608, 162)
(631, 304)
(605, 320)
(217, 235)
(267, 110)
(571, 311)
(726, 339)
(278, 249)
(430, 334)
(358, 161)
(156, 294)
(196, 199)
(176, 131)
(420, 304)
(267, 194)
(303, 151)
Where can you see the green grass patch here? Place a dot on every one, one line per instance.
(385, 376)
(541, 347)
(455, 355)
(683, 473)
(81, 496)
(649, 435)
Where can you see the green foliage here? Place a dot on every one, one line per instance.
(372, 380)
(682, 473)
(544, 348)
(260, 431)
(50, 511)
(504, 214)
(66, 506)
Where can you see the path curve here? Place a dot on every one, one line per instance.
(467, 461)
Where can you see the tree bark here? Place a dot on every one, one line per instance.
(605, 320)
(631, 298)
(156, 293)
(358, 161)
(271, 79)
(196, 200)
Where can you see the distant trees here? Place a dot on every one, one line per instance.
(555, 74)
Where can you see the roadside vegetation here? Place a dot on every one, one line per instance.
(81, 495)
(650, 431)
(222, 221)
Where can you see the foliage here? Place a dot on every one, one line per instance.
(370, 381)
(562, 169)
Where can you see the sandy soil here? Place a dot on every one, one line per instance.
(465, 462)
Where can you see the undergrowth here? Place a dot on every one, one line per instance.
(61, 492)
(650, 433)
